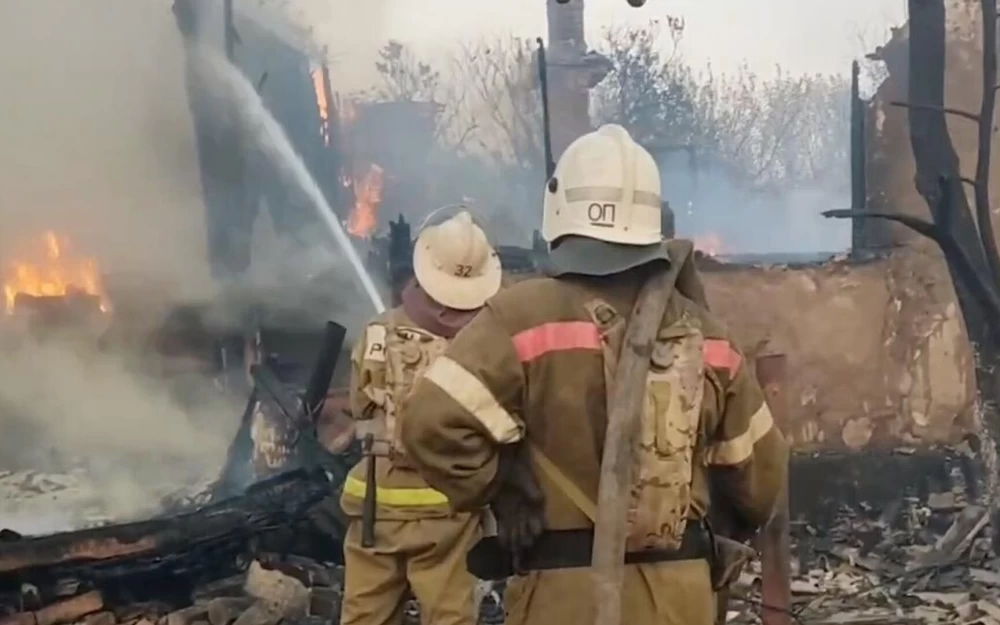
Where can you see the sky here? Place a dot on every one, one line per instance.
(804, 36)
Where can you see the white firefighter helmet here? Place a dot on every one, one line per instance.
(454, 262)
(602, 207)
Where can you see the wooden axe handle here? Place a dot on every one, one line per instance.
(624, 408)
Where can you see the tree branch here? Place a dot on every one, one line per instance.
(953, 252)
(984, 218)
(943, 109)
(920, 226)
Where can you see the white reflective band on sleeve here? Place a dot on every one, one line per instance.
(739, 449)
(375, 343)
(471, 394)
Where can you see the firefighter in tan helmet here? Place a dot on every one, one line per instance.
(513, 414)
(420, 542)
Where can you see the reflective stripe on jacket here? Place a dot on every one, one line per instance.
(530, 364)
(401, 493)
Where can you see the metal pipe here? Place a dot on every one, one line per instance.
(543, 82)
(859, 185)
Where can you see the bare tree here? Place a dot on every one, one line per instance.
(405, 78)
(965, 235)
(767, 133)
(649, 92)
(502, 78)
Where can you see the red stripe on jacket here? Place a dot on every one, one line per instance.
(560, 336)
(719, 354)
(556, 337)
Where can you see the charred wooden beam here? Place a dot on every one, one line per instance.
(65, 611)
(400, 257)
(859, 185)
(209, 540)
(278, 413)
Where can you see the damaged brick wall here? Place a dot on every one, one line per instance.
(904, 375)
(876, 351)
(889, 159)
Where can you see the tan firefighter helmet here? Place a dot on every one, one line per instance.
(454, 262)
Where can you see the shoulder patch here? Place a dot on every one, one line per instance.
(375, 343)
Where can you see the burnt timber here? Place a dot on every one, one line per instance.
(207, 543)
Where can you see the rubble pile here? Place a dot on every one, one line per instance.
(274, 590)
(148, 570)
(261, 596)
(236, 561)
(918, 560)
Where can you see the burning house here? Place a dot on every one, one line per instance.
(194, 548)
(864, 361)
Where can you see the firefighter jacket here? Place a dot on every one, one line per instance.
(392, 353)
(532, 366)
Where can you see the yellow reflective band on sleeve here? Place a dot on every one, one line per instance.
(472, 395)
(396, 497)
(739, 449)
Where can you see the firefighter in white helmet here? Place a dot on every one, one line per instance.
(419, 542)
(513, 414)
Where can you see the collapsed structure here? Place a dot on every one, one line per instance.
(871, 348)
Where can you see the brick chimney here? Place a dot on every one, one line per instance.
(572, 72)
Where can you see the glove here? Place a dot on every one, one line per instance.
(519, 504)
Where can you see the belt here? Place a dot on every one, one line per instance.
(567, 549)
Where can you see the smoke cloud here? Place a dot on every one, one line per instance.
(347, 34)
(97, 145)
(65, 407)
(96, 139)
(710, 207)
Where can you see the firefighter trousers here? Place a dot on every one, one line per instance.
(426, 556)
(667, 593)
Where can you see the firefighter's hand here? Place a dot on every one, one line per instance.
(519, 506)
(334, 427)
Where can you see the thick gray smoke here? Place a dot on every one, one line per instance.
(95, 136)
(64, 407)
(230, 91)
(96, 144)
(350, 32)
(718, 213)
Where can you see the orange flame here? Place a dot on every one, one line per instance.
(709, 244)
(319, 85)
(367, 196)
(57, 273)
